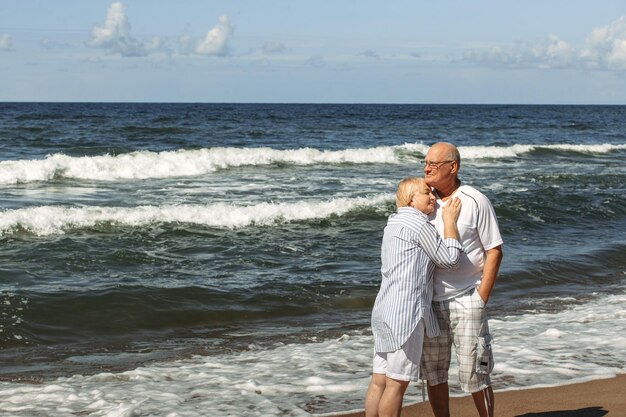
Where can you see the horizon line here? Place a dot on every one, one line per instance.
(309, 103)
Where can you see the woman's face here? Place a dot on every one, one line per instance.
(423, 200)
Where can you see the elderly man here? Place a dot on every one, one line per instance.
(460, 295)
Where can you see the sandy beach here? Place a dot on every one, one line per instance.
(597, 398)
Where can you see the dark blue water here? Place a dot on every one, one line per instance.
(175, 229)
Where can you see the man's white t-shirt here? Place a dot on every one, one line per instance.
(479, 232)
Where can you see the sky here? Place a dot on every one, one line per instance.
(315, 51)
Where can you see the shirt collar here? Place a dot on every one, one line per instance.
(410, 210)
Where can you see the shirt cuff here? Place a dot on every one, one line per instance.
(453, 243)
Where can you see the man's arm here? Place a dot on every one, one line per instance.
(493, 257)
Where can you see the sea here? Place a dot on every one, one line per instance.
(223, 259)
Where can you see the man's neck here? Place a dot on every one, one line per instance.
(446, 192)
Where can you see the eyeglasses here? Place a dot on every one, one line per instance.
(434, 165)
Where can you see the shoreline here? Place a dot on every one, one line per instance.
(593, 398)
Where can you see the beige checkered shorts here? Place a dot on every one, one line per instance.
(463, 323)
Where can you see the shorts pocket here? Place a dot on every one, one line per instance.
(480, 299)
(484, 355)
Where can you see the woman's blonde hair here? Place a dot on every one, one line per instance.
(407, 189)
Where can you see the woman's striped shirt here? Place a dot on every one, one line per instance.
(410, 250)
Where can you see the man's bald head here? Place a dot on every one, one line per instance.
(441, 167)
(445, 151)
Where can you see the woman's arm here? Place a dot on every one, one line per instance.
(445, 254)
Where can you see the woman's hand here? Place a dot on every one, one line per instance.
(451, 210)
(450, 215)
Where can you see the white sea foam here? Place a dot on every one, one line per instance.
(180, 163)
(496, 152)
(493, 152)
(599, 148)
(48, 220)
(584, 342)
(145, 164)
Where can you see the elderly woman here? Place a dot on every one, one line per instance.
(411, 249)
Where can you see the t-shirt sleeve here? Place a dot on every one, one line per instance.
(488, 229)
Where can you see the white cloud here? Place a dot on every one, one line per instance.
(5, 42)
(605, 46)
(47, 43)
(215, 43)
(273, 47)
(316, 61)
(370, 54)
(186, 43)
(548, 53)
(114, 35)
(617, 57)
(557, 50)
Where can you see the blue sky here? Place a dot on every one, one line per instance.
(340, 51)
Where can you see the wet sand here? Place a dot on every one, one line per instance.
(597, 398)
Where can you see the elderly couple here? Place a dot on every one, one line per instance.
(433, 290)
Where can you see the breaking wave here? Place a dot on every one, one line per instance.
(49, 220)
(146, 164)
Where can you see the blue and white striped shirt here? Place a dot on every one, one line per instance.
(410, 251)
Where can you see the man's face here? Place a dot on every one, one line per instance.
(438, 169)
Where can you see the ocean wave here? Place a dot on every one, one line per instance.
(141, 165)
(50, 220)
(535, 349)
(496, 152)
(180, 163)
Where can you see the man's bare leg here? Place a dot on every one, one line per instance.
(483, 400)
(439, 399)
